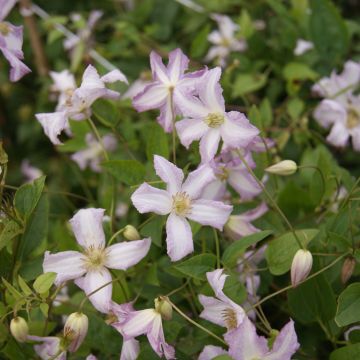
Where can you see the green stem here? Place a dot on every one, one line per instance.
(114, 236)
(98, 137)
(217, 245)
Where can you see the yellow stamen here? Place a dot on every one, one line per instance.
(4, 29)
(353, 118)
(214, 120)
(95, 257)
(181, 204)
(229, 316)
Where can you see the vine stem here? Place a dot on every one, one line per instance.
(194, 322)
(115, 235)
(217, 245)
(266, 298)
(273, 202)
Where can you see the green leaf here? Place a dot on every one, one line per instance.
(200, 43)
(350, 352)
(281, 250)
(10, 230)
(237, 248)
(106, 112)
(223, 357)
(44, 282)
(44, 307)
(130, 172)
(234, 289)
(298, 71)
(328, 31)
(156, 142)
(197, 266)
(154, 230)
(247, 83)
(15, 293)
(23, 286)
(27, 197)
(348, 310)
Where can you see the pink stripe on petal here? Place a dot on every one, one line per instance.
(158, 69)
(153, 96)
(190, 106)
(190, 130)
(209, 144)
(244, 184)
(178, 63)
(130, 350)
(166, 118)
(214, 310)
(138, 323)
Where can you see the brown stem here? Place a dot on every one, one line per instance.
(41, 62)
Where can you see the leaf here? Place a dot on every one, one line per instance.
(10, 230)
(44, 307)
(350, 352)
(281, 250)
(200, 43)
(27, 197)
(44, 282)
(223, 357)
(237, 248)
(348, 310)
(15, 293)
(24, 286)
(106, 112)
(130, 172)
(234, 289)
(247, 83)
(156, 142)
(154, 230)
(298, 71)
(197, 266)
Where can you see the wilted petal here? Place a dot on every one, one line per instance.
(214, 310)
(178, 63)
(158, 69)
(49, 349)
(169, 173)
(138, 323)
(68, 265)
(53, 124)
(92, 281)
(285, 344)
(179, 237)
(190, 130)
(245, 344)
(126, 254)
(209, 144)
(87, 225)
(197, 180)
(130, 350)
(244, 184)
(210, 352)
(339, 135)
(209, 212)
(153, 96)
(150, 199)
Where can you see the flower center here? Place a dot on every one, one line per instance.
(353, 118)
(181, 203)
(223, 173)
(4, 29)
(225, 42)
(95, 257)
(214, 120)
(230, 318)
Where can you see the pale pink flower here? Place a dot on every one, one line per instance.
(93, 154)
(224, 40)
(302, 46)
(77, 105)
(167, 82)
(30, 172)
(89, 268)
(138, 85)
(206, 119)
(181, 200)
(63, 85)
(50, 347)
(220, 310)
(11, 40)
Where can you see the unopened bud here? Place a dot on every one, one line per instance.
(75, 330)
(283, 168)
(301, 266)
(163, 307)
(131, 233)
(347, 269)
(19, 329)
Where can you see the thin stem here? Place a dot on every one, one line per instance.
(146, 221)
(217, 245)
(195, 323)
(273, 202)
(114, 236)
(178, 289)
(98, 137)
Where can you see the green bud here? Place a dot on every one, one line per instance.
(19, 329)
(163, 307)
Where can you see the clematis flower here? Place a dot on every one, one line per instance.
(63, 85)
(77, 105)
(240, 225)
(220, 310)
(149, 323)
(207, 121)
(181, 200)
(302, 46)
(92, 156)
(224, 40)
(137, 86)
(167, 82)
(89, 268)
(30, 172)
(50, 349)
(245, 344)
(11, 39)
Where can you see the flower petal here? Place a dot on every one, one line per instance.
(216, 190)
(330, 112)
(92, 281)
(209, 144)
(179, 237)
(158, 69)
(150, 199)
(339, 135)
(169, 173)
(130, 350)
(244, 184)
(113, 76)
(5, 8)
(138, 323)
(126, 254)
(213, 310)
(18, 68)
(190, 130)
(87, 225)
(67, 265)
(210, 352)
(178, 63)
(53, 124)
(209, 212)
(197, 180)
(153, 96)
(190, 106)
(167, 115)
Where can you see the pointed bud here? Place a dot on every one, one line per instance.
(19, 329)
(347, 269)
(283, 168)
(301, 266)
(163, 307)
(75, 330)
(130, 233)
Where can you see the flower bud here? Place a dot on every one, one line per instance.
(283, 168)
(347, 269)
(75, 330)
(130, 233)
(301, 266)
(19, 329)
(163, 307)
